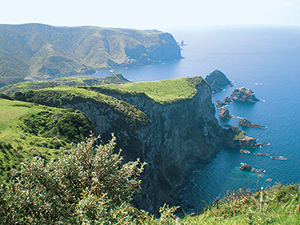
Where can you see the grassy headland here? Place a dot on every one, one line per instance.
(28, 130)
(164, 91)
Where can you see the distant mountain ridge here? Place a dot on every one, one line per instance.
(43, 51)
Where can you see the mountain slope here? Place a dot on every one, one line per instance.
(37, 50)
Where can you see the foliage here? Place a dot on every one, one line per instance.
(60, 96)
(280, 206)
(87, 185)
(28, 130)
(70, 125)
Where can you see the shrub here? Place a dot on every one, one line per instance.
(86, 185)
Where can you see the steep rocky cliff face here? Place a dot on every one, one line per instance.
(172, 137)
(180, 135)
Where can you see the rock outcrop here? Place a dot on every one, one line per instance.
(217, 81)
(246, 123)
(226, 101)
(224, 113)
(261, 154)
(247, 142)
(243, 95)
(247, 167)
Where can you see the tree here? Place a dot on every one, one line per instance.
(88, 184)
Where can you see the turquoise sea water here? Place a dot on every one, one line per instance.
(264, 59)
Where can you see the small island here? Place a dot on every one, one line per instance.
(246, 123)
(217, 81)
(226, 101)
(224, 113)
(243, 95)
(247, 167)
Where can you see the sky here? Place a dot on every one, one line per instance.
(151, 14)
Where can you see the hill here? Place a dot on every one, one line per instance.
(42, 51)
(28, 130)
(74, 81)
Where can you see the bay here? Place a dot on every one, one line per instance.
(264, 59)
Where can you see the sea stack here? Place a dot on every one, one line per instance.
(217, 81)
(224, 113)
(243, 95)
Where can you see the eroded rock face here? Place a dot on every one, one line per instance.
(243, 95)
(224, 113)
(246, 123)
(247, 142)
(217, 81)
(180, 135)
(247, 167)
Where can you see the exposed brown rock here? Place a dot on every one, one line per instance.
(224, 113)
(243, 95)
(247, 167)
(246, 123)
(261, 154)
(278, 157)
(244, 151)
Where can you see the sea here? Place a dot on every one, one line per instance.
(265, 59)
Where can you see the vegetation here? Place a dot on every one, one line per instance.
(91, 185)
(65, 81)
(42, 51)
(279, 205)
(60, 96)
(164, 91)
(86, 185)
(28, 130)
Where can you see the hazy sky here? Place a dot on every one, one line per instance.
(150, 14)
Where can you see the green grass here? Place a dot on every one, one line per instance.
(280, 206)
(28, 129)
(164, 91)
(65, 81)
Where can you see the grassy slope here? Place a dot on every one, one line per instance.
(62, 95)
(280, 206)
(28, 129)
(165, 91)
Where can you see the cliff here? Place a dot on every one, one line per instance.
(171, 136)
(180, 135)
(43, 51)
(172, 129)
